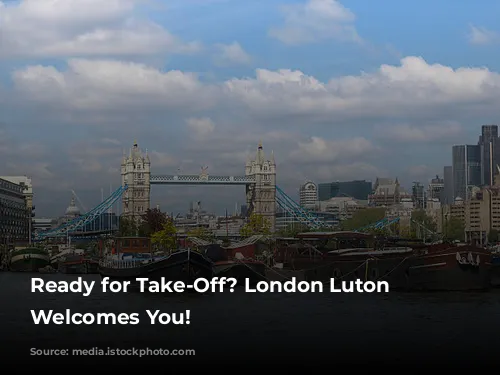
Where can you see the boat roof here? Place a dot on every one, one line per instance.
(338, 234)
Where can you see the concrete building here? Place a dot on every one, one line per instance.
(342, 207)
(387, 192)
(261, 196)
(43, 223)
(15, 215)
(136, 173)
(435, 190)
(466, 161)
(482, 214)
(308, 195)
(25, 183)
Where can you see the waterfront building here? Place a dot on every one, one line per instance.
(27, 186)
(14, 213)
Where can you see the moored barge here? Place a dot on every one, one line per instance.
(133, 258)
(29, 259)
(405, 265)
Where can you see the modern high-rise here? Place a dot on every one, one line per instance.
(358, 189)
(466, 160)
(490, 150)
(447, 196)
(436, 189)
(308, 195)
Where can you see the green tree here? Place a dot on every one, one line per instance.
(453, 229)
(363, 218)
(493, 236)
(128, 227)
(257, 224)
(152, 221)
(166, 238)
(293, 229)
(202, 233)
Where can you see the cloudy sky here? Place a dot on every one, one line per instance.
(339, 90)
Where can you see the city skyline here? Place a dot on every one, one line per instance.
(339, 91)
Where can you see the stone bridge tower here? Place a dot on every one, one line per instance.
(261, 196)
(136, 172)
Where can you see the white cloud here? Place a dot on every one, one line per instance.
(231, 54)
(201, 126)
(392, 90)
(319, 150)
(44, 28)
(104, 84)
(422, 133)
(482, 36)
(316, 20)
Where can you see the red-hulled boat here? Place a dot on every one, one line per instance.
(407, 265)
(451, 267)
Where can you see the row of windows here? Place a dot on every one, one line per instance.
(9, 221)
(9, 203)
(10, 212)
(10, 186)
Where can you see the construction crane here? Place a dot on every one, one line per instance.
(79, 201)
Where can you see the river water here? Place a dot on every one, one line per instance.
(299, 328)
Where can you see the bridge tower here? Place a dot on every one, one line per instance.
(136, 173)
(261, 196)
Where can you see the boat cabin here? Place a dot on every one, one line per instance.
(329, 241)
(133, 245)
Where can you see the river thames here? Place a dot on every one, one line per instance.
(357, 327)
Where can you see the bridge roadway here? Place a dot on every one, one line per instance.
(200, 179)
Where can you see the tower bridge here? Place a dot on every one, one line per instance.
(263, 196)
(259, 181)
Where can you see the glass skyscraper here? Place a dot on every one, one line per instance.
(467, 170)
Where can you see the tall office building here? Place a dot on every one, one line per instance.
(466, 161)
(436, 189)
(418, 195)
(489, 149)
(447, 196)
(308, 194)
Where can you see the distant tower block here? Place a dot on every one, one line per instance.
(136, 172)
(261, 196)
